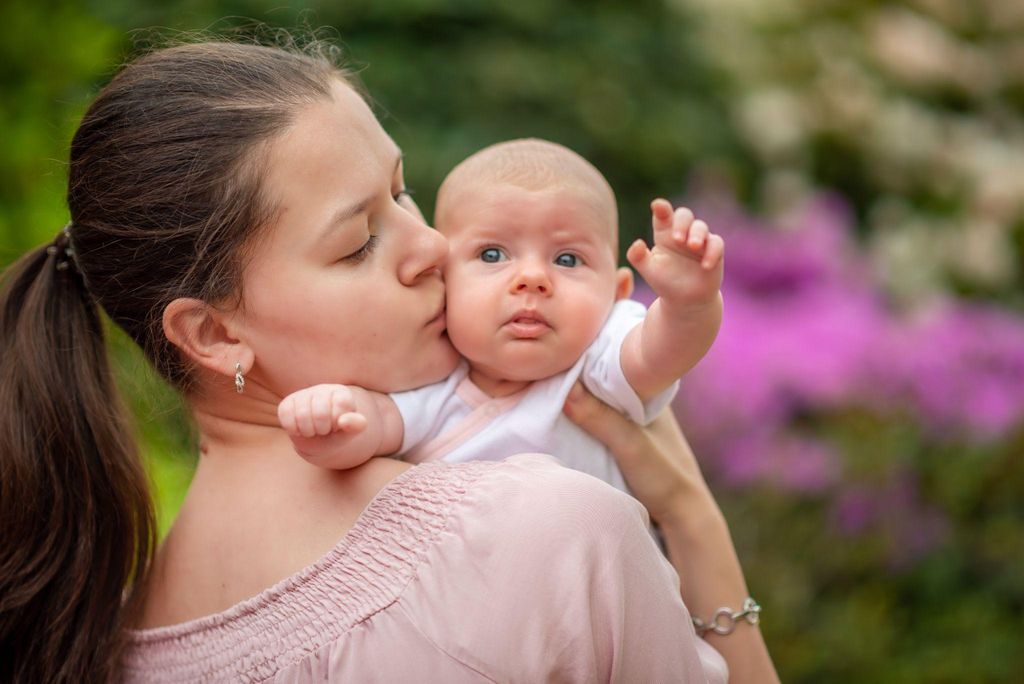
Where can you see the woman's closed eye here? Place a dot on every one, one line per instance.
(493, 255)
(363, 252)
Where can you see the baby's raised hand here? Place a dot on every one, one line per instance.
(685, 265)
(322, 422)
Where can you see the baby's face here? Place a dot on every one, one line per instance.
(531, 278)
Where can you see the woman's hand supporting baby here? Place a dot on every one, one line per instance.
(340, 426)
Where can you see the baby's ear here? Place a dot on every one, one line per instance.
(623, 283)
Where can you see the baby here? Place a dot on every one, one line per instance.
(535, 303)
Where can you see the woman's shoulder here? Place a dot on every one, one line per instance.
(528, 503)
(531, 507)
(434, 519)
(528, 494)
(366, 570)
(537, 485)
(563, 562)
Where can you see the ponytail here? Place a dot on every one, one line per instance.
(77, 528)
(165, 188)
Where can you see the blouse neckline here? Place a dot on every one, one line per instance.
(362, 574)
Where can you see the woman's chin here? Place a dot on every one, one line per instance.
(439, 365)
(448, 359)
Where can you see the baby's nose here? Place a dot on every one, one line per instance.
(532, 278)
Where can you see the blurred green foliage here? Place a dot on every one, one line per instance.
(632, 87)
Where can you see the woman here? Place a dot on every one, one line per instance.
(242, 215)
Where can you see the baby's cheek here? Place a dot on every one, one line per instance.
(472, 345)
(585, 325)
(472, 315)
(464, 330)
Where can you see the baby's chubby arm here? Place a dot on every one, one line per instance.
(340, 426)
(684, 268)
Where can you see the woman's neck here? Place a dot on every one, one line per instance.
(255, 513)
(242, 431)
(244, 453)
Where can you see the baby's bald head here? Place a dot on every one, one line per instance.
(530, 164)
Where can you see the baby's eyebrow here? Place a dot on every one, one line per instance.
(578, 236)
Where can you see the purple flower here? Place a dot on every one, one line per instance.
(790, 462)
(800, 322)
(893, 509)
(961, 367)
(806, 332)
(854, 510)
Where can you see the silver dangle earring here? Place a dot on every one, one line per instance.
(239, 378)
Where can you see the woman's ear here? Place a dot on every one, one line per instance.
(623, 283)
(201, 332)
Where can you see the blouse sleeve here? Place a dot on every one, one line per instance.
(556, 578)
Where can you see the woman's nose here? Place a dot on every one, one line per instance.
(425, 251)
(532, 277)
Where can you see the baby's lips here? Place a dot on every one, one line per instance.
(527, 316)
(527, 324)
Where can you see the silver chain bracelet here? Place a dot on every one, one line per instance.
(750, 613)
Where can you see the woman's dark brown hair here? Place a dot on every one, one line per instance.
(164, 196)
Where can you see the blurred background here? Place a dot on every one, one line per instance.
(861, 417)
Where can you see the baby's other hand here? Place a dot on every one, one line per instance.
(322, 421)
(686, 263)
(320, 410)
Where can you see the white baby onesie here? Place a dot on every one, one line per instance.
(455, 421)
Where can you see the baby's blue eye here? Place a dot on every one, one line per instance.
(569, 260)
(492, 255)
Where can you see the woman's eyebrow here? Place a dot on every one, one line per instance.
(345, 213)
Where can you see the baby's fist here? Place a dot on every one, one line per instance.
(320, 410)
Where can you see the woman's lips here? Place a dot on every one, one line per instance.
(439, 319)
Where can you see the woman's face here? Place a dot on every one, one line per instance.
(345, 287)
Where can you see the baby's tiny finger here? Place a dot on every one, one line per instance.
(698, 236)
(286, 416)
(322, 419)
(637, 252)
(341, 402)
(681, 220)
(352, 422)
(304, 417)
(661, 214)
(714, 252)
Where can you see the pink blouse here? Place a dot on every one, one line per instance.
(512, 571)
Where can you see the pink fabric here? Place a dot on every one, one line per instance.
(511, 571)
(484, 411)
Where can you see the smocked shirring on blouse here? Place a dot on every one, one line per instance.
(363, 574)
(511, 571)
